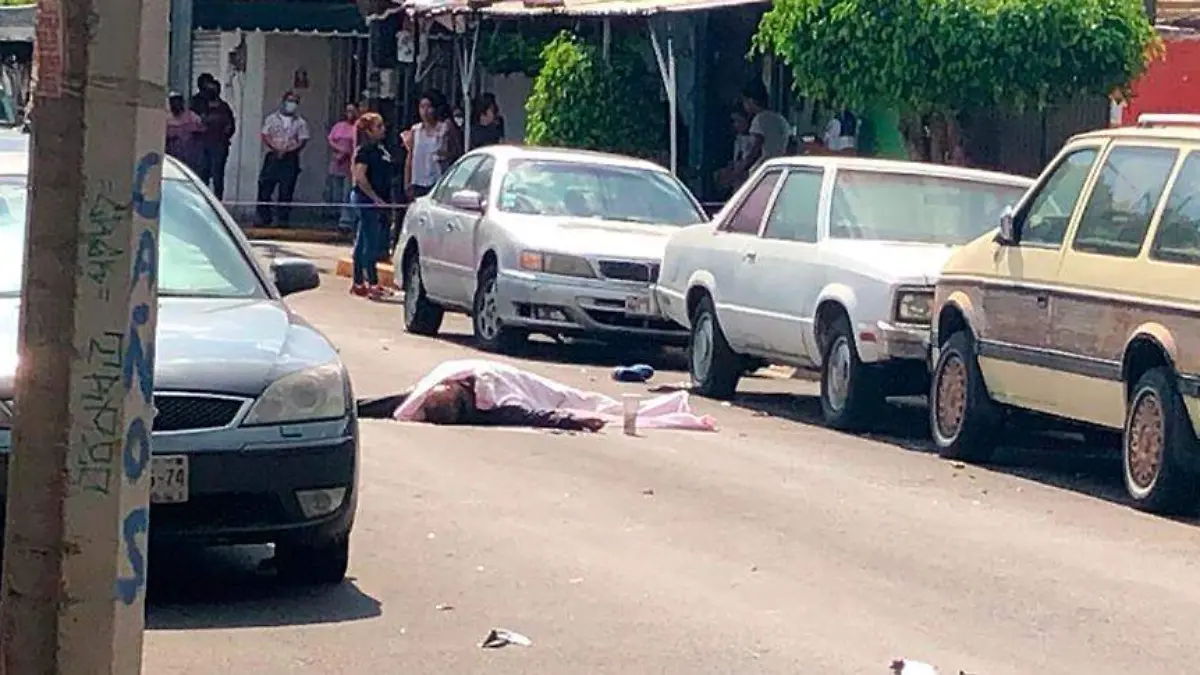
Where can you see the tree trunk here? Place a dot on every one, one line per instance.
(946, 144)
(912, 128)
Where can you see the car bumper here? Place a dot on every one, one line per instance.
(570, 306)
(247, 493)
(898, 342)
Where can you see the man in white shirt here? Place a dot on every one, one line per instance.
(284, 133)
(771, 131)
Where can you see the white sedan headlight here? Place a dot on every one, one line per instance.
(914, 306)
(308, 395)
(556, 263)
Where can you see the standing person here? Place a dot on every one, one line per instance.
(184, 128)
(371, 173)
(341, 141)
(219, 127)
(486, 128)
(770, 130)
(285, 133)
(489, 101)
(730, 176)
(452, 136)
(421, 168)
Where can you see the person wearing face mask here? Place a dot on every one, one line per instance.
(284, 133)
(184, 128)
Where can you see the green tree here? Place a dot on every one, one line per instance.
(580, 100)
(936, 59)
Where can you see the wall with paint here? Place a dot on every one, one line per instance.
(287, 59)
(1171, 85)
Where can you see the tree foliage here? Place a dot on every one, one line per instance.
(945, 56)
(580, 100)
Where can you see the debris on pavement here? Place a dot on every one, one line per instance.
(444, 608)
(671, 388)
(649, 492)
(909, 667)
(499, 638)
(640, 372)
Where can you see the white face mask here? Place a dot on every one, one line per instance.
(458, 120)
(289, 107)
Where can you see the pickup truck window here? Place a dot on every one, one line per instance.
(748, 215)
(795, 212)
(1123, 200)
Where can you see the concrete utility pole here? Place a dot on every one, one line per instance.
(79, 477)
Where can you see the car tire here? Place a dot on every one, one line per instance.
(963, 418)
(850, 391)
(714, 367)
(421, 315)
(313, 565)
(490, 332)
(1158, 439)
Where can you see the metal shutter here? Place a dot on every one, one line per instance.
(206, 53)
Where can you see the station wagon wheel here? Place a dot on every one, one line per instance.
(421, 316)
(963, 419)
(713, 365)
(490, 331)
(850, 391)
(1158, 438)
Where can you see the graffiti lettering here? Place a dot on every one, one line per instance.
(136, 523)
(137, 374)
(137, 449)
(139, 361)
(93, 469)
(102, 248)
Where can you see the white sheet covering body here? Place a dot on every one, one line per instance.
(499, 384)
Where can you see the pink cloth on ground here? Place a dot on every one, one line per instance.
(499, 384)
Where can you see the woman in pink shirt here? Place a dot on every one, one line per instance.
(183, 133)
(341, 149)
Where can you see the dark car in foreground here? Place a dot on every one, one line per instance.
(255, 433)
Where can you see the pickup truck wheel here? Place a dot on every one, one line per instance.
(850, 390)
(313, 565)
(490, 331)
(421, 316)
(713, 365)
(1158, 439)
(963, 419)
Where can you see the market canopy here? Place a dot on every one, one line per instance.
(16, 23)
(376, 9)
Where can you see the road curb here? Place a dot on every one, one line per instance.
(387, 273)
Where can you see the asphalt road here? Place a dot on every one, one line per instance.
(770, 546)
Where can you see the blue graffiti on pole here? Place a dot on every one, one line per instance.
(138, 375)
(136, 523)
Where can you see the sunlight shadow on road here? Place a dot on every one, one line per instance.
(228, 588)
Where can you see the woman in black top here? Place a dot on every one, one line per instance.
(487, 128)
(371, 173)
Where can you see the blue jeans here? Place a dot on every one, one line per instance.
(369, 239)
(337, 191)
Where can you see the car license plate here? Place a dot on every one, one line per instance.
(638, 304)
(169, 479)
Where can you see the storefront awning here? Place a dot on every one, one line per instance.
(276, 16)
(579, 8)
(16, 23)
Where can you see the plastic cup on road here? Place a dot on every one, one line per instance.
(629, 406)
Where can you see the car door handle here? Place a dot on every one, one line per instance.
(1043, 301)
(749, 256)
(450, 226)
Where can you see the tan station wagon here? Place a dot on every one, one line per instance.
(1086, 306)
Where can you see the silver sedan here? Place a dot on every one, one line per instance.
(538, 240)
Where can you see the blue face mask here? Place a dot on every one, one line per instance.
(289, 107)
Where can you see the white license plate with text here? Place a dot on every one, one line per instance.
(169, 479)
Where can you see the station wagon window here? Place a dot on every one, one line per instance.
(456, 178)
(748, 215)
(1045, 221)
(1123, 200)
(481, 180)
(1178, 237)
(796, 209)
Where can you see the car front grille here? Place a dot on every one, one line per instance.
(191, 412)
(629, 270)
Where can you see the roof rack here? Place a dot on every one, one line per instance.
(1168, 119)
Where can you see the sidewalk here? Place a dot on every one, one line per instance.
(330, 258)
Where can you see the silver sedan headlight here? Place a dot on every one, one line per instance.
(556, 263)
(914, 306)
(308, 395)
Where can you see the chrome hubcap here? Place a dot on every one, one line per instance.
(837, 383)
(951, 404)
(1146, 442)
(702, 347)
(488, 319)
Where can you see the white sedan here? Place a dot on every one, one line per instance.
(538, 240)
(829, 263)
